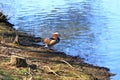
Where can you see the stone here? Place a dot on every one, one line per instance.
(18, 61)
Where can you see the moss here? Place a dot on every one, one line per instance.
(5, 75)
(22, 71)
(38, 77)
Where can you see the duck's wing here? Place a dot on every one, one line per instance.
(52, 42)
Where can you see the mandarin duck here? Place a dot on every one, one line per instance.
(50, 42)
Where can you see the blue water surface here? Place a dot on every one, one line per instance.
(89, 28)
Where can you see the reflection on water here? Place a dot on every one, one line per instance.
(89, 28)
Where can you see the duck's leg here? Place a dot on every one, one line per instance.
(46, 46)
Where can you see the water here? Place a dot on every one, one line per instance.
(89, 28)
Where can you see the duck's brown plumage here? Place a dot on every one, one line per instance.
(52, 41)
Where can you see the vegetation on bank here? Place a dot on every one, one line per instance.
(43, 64)
(3, 17)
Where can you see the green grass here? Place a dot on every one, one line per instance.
(38, 78)
(5, 75)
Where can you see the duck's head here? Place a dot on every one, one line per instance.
(55, 35)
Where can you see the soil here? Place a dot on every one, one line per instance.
(43, 64)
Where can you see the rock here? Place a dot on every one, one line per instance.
(33, 66)
(18, 61)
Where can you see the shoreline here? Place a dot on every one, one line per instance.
(50, 64)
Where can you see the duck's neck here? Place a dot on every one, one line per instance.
(54, 37)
